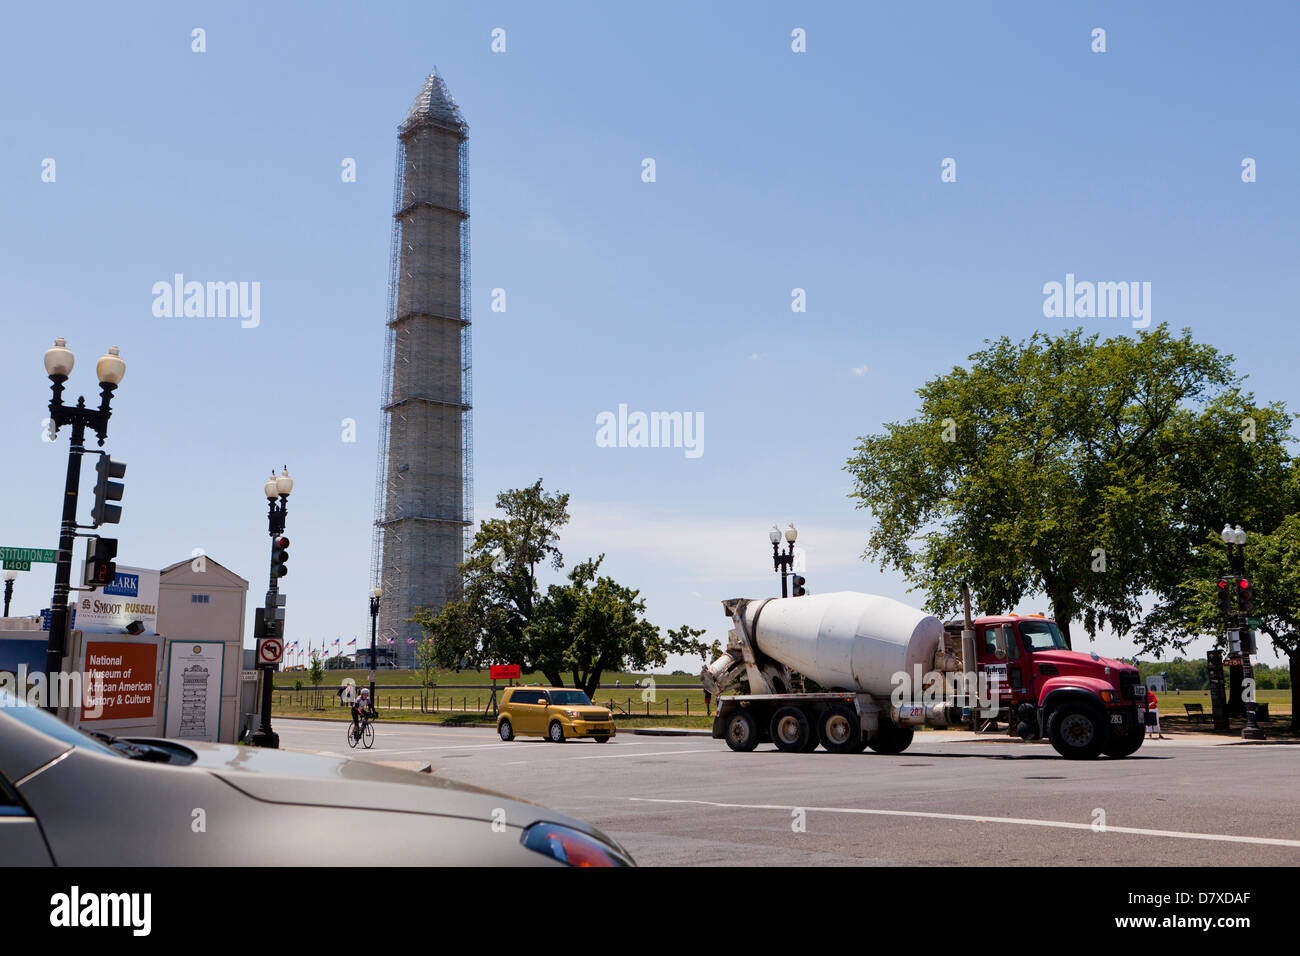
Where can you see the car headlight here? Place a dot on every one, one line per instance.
(572, 847)
(570, 713)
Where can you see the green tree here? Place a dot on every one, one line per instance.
(1190, 609)
(426, 669)
(587, 626)
(1081, 469)
(499, 583)
(593, 624)
(316, 670)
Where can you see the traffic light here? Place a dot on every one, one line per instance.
(100, 569)
(107, 490)
(279, 557)
(799, 582)
(1225, 597)
(1245, 597)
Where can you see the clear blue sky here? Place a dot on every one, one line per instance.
(775, 170)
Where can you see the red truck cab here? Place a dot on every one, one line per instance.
(1085, 704)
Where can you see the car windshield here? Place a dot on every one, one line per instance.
(48, 724)
(570, 697)
(1042, 636)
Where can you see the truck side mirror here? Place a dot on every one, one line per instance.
(1000, 644)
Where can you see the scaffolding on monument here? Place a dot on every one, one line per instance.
(393, 566)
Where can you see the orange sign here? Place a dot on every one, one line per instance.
(128, 673)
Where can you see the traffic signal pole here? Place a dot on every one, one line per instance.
(1244, 605)
(57, 645)
(265, 736)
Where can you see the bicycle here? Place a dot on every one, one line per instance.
(364, 732)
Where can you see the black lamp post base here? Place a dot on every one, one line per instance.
(268, 739)
(1252, 733)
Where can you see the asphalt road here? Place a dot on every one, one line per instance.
(947, 800)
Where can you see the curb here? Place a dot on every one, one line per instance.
(667, 732)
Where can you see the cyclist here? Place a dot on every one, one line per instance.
(361, 706)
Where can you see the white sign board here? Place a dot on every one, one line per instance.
(133, 596)
(194, 689)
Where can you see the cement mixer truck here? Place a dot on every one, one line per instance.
(884, 669)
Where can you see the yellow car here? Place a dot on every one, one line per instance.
(556, 713)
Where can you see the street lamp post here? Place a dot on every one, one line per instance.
(374, 619)
(783, 561)
(1237, 562)
(10, 576)
(58, 366)
(274, 488)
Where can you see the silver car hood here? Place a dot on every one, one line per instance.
(289, 777)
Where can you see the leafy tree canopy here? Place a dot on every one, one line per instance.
(1085, 470)
(584, 627)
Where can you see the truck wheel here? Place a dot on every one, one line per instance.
(840, 731)
(891, 738)
(1124, 746)
(1078, 731)
(790, 731)
(742, 732)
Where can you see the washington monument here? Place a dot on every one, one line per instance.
(424, 493)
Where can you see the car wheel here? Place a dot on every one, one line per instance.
(840, 731)
(1124, 746)
(506, 731)
(742, 732)
(556, 732)
(891, 738)
(1077, 730)
(790, 730)
(602, 740)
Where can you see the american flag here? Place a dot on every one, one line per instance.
(352, 643)
(410, 640)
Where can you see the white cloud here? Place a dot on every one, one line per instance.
(861, 370)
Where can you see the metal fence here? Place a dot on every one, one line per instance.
(435, 702)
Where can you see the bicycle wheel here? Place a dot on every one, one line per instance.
(368, 735)
(352, 736)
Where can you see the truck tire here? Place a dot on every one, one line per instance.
(1124, 746)
(1078, 730)
(891, 738)
(742, 732)
(840, 731)
(791, 731)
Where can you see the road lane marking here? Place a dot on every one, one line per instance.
(657, 753)
(1019, 821)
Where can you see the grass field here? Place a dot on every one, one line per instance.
(303, 703)
(285, 679)
(681, 695)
